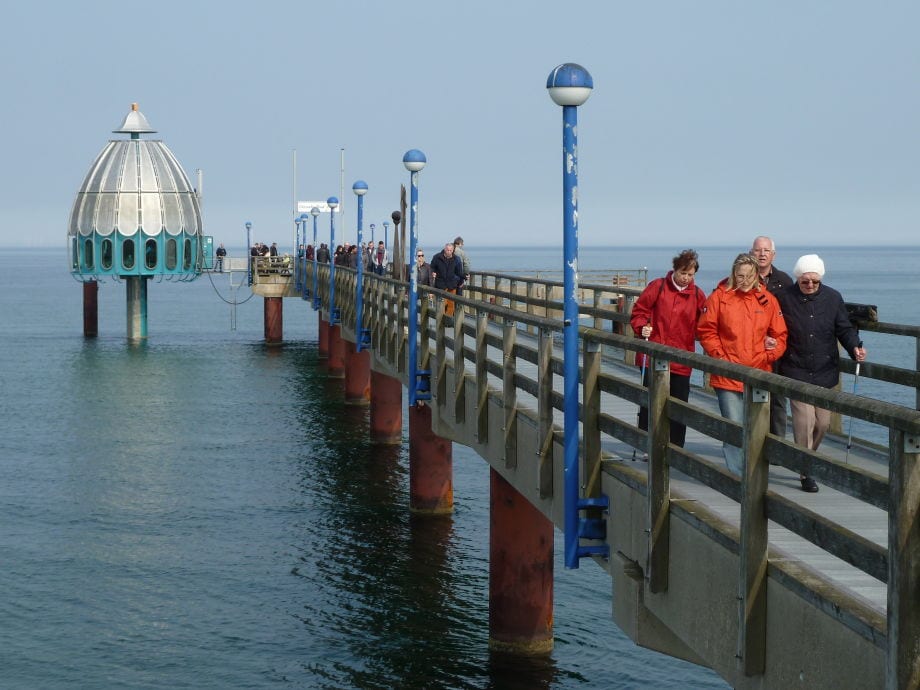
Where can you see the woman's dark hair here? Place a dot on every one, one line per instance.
(685, 260)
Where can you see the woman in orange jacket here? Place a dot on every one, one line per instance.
(742, 323)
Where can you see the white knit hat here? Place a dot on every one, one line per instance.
(810, 263)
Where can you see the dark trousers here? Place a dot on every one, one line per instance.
(680, 389)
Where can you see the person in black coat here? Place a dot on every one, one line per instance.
(447, 269)
(817, 320)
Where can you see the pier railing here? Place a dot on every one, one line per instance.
(501, 347)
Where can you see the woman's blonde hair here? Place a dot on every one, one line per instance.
(744, 259)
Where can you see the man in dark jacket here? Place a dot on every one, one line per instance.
(817, 320)
(764, 250)
(447, 273)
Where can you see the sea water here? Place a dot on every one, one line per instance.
(204, 511)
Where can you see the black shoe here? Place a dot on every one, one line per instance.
(809, 485)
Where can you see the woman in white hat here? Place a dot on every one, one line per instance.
(817, 320)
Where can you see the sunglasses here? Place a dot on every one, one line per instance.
(806, 281)
(419, 256)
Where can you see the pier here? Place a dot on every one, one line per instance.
(768, 586)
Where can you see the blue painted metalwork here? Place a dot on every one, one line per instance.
(302, 256)
(249, 253)
(362, 334)
(373, 242)
(316, 302)
(570, 85)
(414, 160)
(334, 312)
(386, 243)
(298, 280)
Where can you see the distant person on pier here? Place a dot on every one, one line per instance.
(667, 312)
(741, 322)
(380, 258)
(273, 251)
(460, 253)
(310, 252)
(447, 273)
(351, 258)
(220, 254)
(322, 254)
(817, 319)
(255, 250)
(764, 250)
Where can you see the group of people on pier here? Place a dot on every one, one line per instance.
(759, 317)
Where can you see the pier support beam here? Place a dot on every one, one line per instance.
(136, 291)
(431, 482)
(386, 409)
(520, 573)
(274, 320)
(336, 361)
(357, 375)
(323, 344)
(90, 309)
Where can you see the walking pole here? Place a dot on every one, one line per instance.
(642, 380)
(846, 460)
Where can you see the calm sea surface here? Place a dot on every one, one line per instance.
(203, 511)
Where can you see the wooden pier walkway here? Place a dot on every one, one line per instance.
(769, 586)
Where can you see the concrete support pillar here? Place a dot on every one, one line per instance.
(431, 482)
(90, 309)
(274, 320)
(386, 409)
(336, 361)
(136, 291)
(520, 573)
(357, 375)
(323, 345)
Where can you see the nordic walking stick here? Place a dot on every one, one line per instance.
(846, 460)
(642, 378)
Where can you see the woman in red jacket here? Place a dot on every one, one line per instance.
(742, 323)
(666, 312)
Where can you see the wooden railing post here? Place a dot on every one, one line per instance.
(440, 354)
(459, 366)
(659, 482)
(903, 562)
(509, 391)
(591, 412)
(545, 411)
(482, 381)
(753, 576)
(424, 348)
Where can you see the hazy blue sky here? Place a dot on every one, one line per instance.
(710, 121)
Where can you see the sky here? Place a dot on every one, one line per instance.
(710, 122)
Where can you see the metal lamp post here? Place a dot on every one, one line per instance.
(386, 242)
(302, 255)
(372, 234)
(333, 204)
(298, 278)
(362, 335)
(570, 85)
(316, 303)
(249, 253)
(414, 160)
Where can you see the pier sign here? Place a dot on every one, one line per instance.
(307, 206)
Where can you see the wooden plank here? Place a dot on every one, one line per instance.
(903, 565)
(545, 412)
(659, 492)
(754, 539)
(509, 392)
(459, 367)
(591, 433)
(482, 382)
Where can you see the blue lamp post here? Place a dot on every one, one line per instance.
(333, 204)
(372, 235)
(298, 279)
(386, 243)
(570, 85)
(362, 335)
(302, 256)
(414, 160)
(249, 253)
(316, 303)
